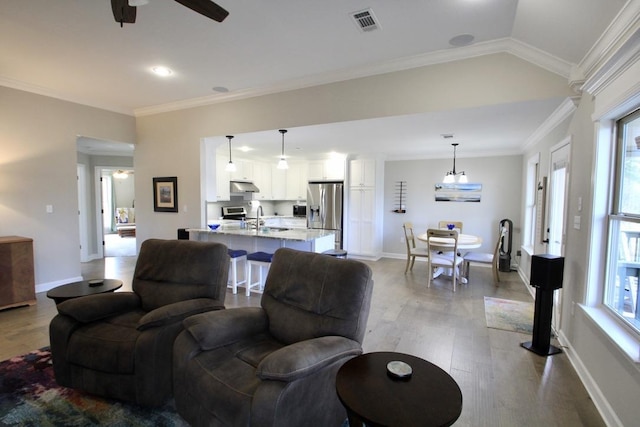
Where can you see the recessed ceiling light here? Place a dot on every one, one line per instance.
(462, 40)
(162, 71)
(245, 149)
(220, 89)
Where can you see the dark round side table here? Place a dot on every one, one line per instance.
(428, 397)
(83, 288)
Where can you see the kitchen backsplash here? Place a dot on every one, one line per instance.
(269, 207)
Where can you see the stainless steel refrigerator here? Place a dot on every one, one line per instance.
(324, 207)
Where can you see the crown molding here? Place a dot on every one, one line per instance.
(564, 110)
(539, 57)
(40, 90)
(440, 155)
(505, 45)
(615, 51)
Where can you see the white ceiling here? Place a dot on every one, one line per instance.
(74, 50)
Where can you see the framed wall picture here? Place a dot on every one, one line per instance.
(458, 192)
(165, 194)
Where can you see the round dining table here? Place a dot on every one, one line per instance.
(444, 244)
(465, 241)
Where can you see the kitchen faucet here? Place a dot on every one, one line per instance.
(259, 212)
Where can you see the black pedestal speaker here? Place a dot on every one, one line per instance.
(546, 276)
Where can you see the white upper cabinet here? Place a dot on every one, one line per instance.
(326, 170)
(244, 171)
(262, 180)
(362, 173)
(278, 183)
(296, 182)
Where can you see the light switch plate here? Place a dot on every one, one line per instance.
(576, 222)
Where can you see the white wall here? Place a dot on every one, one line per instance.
(38, 168)
(611, 375)
(501, 198)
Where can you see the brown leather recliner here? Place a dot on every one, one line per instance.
(120, 344)
(276, 365)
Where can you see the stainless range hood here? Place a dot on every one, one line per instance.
(241, 187)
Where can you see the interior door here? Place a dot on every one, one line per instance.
(557, 213)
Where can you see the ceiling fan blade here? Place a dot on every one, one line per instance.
(206, 8)
(122, 12)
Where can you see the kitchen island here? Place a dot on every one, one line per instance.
(267, 239)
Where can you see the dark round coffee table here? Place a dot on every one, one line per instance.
(429, 397)
(83, 288)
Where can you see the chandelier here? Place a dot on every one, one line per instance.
(453, 176)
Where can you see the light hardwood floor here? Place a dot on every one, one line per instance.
(502, 384)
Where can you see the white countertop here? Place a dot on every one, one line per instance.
(300, 234)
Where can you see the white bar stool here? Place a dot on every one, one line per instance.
(261, 260)
(237, 255)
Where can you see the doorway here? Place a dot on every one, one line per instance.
(98, 157)
(557, 214)
(116, 219)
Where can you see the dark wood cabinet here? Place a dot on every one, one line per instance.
(17, 284)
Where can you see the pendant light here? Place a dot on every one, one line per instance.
(231, 167)
(453, 176)
(282, 164)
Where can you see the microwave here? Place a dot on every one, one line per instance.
(300, 210)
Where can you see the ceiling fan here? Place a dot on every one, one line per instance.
(124, 11)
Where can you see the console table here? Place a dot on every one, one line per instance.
(17, 284)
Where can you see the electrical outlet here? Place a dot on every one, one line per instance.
(518, 253)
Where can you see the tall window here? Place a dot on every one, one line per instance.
(622, 291)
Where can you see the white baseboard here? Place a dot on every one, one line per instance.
(599, 400)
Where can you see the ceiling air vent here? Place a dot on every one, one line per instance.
(365, 20)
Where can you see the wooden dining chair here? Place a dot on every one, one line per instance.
(485, 258)
(437, 258)
(412, 250)
(457, 225)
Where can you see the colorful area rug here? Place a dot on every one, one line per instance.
(30, 396)
(509, 315)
